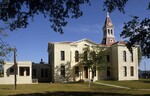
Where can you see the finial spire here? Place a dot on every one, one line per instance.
(107, 14)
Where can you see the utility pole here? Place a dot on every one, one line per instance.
(15, 69)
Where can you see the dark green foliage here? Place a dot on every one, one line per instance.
(148, 6)
(16, 13)
(138, 33)
(5, 49)
(95, 57)
(111, 5)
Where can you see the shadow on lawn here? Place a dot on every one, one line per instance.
(76, 94)
(146, 81)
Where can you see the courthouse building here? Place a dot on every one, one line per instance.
(121, 63)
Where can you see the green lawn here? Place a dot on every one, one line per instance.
(135, 84)
(72, 89)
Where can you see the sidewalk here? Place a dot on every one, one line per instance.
(112, 85)
(119, 86)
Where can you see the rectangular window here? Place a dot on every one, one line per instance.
(125, 71)
(108, 59)
(108, 71)
(93, 72)
(85, 56)
(132, 71)
(63, 71)
(62, 54)
(46, 72)
(12, 70)
(24, 71)
(77, 71)
(42, 72)
(1, 71)
(21, 70)
(34, 73)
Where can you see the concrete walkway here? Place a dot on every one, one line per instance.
(112, 85)
(119, 86)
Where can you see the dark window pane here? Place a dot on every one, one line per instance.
(132, 71)
(63, 71)
(77, 71)
(108, 71)
(42, 72)
(124, 56)
(85, 56)
(12, 70)
(62, 55)
(76, 56)
(27, 71)
(125, 71)
(34, 73)
(21, 70)
(46, 72)
(108, 58)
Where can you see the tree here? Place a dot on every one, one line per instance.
(138, 31)
(15, 14)
(66, 76)
(5, 49)
(94, 58)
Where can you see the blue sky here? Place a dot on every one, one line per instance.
(32, 42)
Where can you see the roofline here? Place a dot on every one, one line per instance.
(85, 39)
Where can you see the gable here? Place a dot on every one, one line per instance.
(86, 41)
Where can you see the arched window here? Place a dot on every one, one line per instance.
(108, 31)
(111, 32)
(132, 71)
(85, 56)
(125, 71)
(131, 56)
(76, 56)
(124, 56)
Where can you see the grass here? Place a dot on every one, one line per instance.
(71, 89)
(135, 84)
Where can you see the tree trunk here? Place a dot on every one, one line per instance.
(89, 79)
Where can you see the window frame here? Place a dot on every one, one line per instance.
(131, 56)
(132, 71)
(125, 71)
(76, 56)
(62, 55)
(77, 71)
(124, 56)
(62, 70)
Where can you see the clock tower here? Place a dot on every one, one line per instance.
(108, 32)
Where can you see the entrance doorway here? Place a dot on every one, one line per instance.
(85, 72)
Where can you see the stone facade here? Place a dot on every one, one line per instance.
(122, 65)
